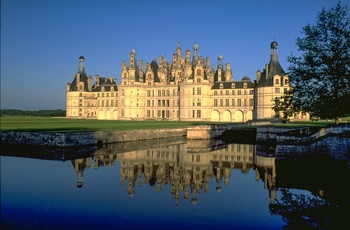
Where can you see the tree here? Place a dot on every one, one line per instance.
(321, 75)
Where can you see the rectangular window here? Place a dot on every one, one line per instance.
(199, 103)
(193, 113)
(233, 92)
(199, 91)
(239, 92)
(148, 103)
(215, 102)
(277, 90)
(227, 92)
(221, 93)
(199, 113)
(251, 102)
(148, 93)
(277, 81)
(193, 91)
(251, 92)
(221, 102)
(227, 102)
(239, 102)
(159, 103)
(215, 92)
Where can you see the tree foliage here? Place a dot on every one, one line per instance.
(321, 74)
(41, 113)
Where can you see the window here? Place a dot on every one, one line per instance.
(148, 93)
(245, 102)
(148, 103)
(251, 92)
(245, 85)
(221, 93)
(198, 80)
(233, 92)
(193, 113)
(221, 86)
(221, 102)
(285, 90)
(277, 81)
(227, 102)
(251, 102)
(239, 102)
(199, 72)
(227, 92)
(233, 85)
(193, 91)
(107, 94)
(277, 90)
(215, 102)
(199, 91)
(286, 81)
(239, 92)
(233, 102)
(199, 103)
(199, 113)
(215, 92)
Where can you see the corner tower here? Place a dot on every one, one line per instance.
(271, 84)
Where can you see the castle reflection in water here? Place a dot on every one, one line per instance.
(187, 166)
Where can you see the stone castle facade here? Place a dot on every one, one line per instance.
(188, 88)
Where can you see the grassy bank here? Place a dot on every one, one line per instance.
(27, 123)
(71, 125)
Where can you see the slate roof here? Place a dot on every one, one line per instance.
(83, 78)
(274, 68)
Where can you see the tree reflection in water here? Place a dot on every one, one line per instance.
(326, 205)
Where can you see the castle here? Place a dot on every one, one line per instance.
(187, 89)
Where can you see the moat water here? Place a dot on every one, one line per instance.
(173, 184)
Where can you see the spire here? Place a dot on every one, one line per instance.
(178, 49)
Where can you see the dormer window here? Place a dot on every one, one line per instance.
(233, 85)
(277, 81)
(245, 85)
(221, 86)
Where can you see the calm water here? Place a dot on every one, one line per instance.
(172, 185)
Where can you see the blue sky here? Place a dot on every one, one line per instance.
(41, 40)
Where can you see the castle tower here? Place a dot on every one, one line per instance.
(270, 87)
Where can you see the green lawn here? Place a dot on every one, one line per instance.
(27, 123)
(71, 125)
